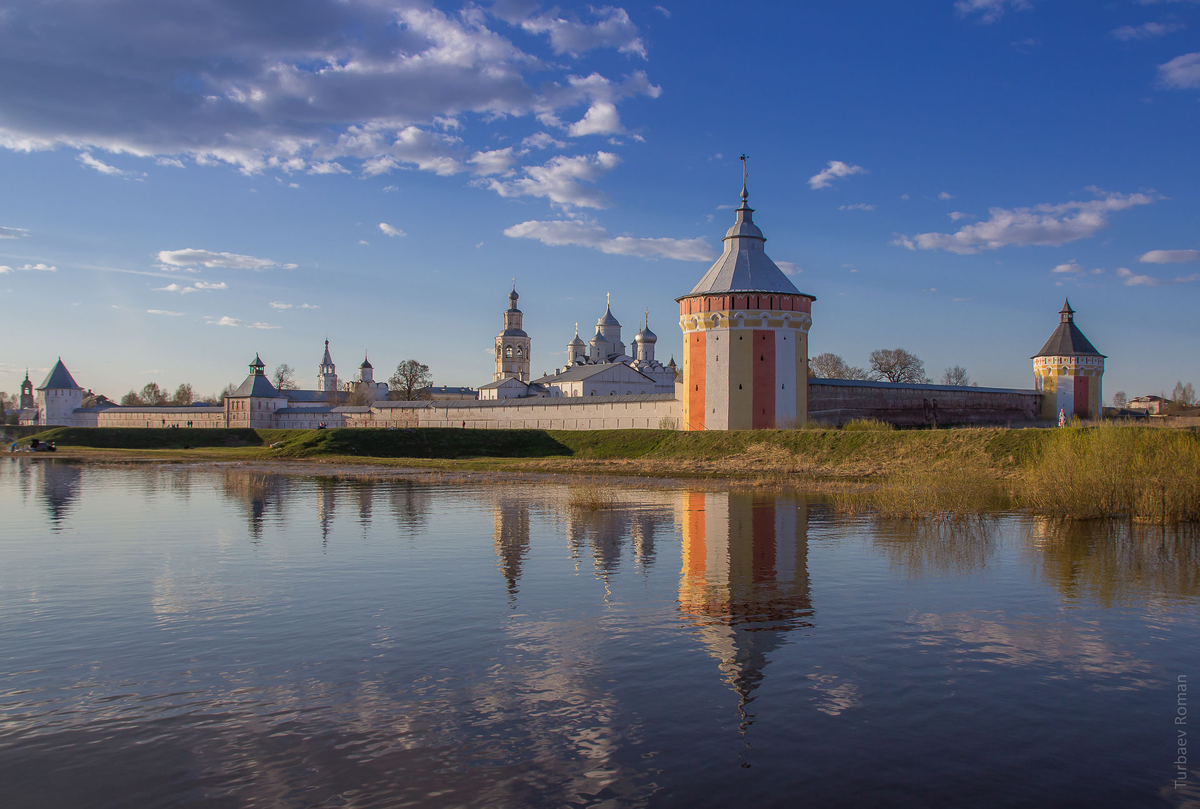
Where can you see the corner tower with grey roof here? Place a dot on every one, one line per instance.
(1069, 371)
(255, 401)
(512, 344)
(58, 397)
(745, 339)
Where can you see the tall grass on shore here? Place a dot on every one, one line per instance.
(944, 494)
(1109, 471)
(590, 498)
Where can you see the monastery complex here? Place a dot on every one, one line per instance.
(744, 366)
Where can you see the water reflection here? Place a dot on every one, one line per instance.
(923, 547)
(1115, 563)
(511, 539)
(744, 580)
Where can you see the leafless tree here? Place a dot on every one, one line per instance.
(230, 389)
(956, 375)
(897, 365)
(1184, 394)
(284, 377)
(831, 366)
(1120, 399)
(184, 394)
(410, 381)
(359, 397)
(152, 394)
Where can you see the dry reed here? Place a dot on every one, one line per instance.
(590, 498)
(867, 425)
(950, 493)
(1148, 476)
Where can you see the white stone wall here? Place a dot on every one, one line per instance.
(557, 414)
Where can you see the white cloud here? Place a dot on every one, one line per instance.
(262, 89)
(858, 206)
(191, 256)
(561, 180)
(542, 140)
(13, 233)
(25, 267)
(1051, 225)
(663, 11)
(199, 286)
(390, 189)
(261, 326)
(989, 11)
(309, 306)
(169, 161)
(586, 233)
(1070, 267)
(388, 230)
(568, 34)
(1169, 256)
(789, 268)
(283, 307)
(834, 170)
(364, 242)
(279, 305)
(1132, 279)
(600, 119)
(1182, 72)
(86, 159)
(945, 195)
(957, 215)
(497, 161)
(1149, 30)
(163, 312)
(223, 321)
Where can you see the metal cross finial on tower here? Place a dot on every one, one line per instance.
(744, 158)
(647, 317)
(608, 299)
(514, 283)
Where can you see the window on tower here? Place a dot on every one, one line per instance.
(508, 352)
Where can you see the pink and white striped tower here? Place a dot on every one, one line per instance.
(745, 339)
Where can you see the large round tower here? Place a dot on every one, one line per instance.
(1069, 371)
(745, 339)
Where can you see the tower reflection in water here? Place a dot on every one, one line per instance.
(744, 580)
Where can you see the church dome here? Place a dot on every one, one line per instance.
(366, 364)
(577, 341)
(645, 336)
(599, 338)
(608, 319)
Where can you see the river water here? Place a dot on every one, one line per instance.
(190, 636)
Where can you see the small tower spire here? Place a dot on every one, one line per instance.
(745, 195)
(1068, 314)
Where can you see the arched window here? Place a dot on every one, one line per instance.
(519, 352)
(508, 352)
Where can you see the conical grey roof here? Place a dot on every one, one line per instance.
(1067, 339)
(607, 318)
(59, 378)
(744, 266)
(327, 360)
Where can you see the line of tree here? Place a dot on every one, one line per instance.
(887, 365)
(152, 395)
(8, 404)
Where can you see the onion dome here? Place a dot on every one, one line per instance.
(599, 338)
(645, 336)
(366, 363)
(607, 319)
(576, 341)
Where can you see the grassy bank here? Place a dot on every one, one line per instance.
(1140, 473)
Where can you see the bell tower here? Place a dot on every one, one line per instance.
(745, 338)
(512, 344)
(27, 400)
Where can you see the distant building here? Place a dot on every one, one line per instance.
(1151, 405)
(1068, 371)
(449, 394)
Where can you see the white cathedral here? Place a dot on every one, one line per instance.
(600, 367)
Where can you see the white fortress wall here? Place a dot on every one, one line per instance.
(645, 411)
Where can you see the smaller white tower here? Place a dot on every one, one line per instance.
(601, 348)
(610, 328)
(576, 349)
(58, 397)
(327, 372)
(644, 342)
(513, 346)
(366, 372)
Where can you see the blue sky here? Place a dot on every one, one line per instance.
(183, 185)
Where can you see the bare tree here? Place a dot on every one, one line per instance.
(360, 397)
(131, 399)
(1184, 394)
(956, 375)
(152, 394)
(284, 377)
(410, 380)
(831, 366)
(184, 394)
(1120, 399)
(7, 403)
(230, 389)
(897, 365)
